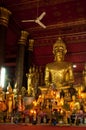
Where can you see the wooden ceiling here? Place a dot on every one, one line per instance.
(65, 18)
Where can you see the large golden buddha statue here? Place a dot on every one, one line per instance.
(59, 73)
(84, 76)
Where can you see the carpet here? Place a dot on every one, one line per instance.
(39, 127)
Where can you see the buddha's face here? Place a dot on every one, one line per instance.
(59, 53)
(9, 89)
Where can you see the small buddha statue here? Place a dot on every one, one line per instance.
(21, 106)
(2, 94)
(10, 100)
(59, 73)
(3, 106)
(30, 84)
(15, 91)
(23, 91)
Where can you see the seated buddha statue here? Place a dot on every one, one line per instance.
(59, 73)
(84, 76)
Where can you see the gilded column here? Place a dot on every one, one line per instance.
(4, 20)
(20, 59)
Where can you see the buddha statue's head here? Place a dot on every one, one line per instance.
(59, 46)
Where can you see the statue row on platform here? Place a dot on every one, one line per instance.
(9, 101)
(6, 100)
(34, 79)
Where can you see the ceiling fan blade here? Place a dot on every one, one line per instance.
(40, 23)
(28, 20)
(41, 16)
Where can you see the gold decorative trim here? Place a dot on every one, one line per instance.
(23, 37)
(30, 46)
(4, 16)
(62, 25)
(79, 37)
(33, 4)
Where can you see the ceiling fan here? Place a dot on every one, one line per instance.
(37, 20)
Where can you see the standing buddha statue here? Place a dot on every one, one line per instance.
(30, 84)
(10, 100)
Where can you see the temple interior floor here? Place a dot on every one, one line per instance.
(39, 127)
